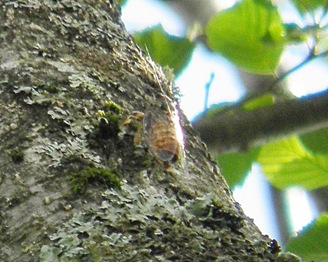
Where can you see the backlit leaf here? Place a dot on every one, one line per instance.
(165, 49)
(312, 242)
(288, 163)
(265, 100)
(307, 6)
(235, 166)
(316, 141)
(250, 34)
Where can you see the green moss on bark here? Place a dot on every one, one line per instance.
(93, 176)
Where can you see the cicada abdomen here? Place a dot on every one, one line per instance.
(163, 134)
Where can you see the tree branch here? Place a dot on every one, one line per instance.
(242, 129)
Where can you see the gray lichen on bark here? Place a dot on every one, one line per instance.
(71, 188)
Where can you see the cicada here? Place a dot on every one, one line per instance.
(159, 129)
(163, 133)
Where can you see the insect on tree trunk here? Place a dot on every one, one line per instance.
(74, 184)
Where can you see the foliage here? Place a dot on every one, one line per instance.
(165, 49)
(307, 6)
(312, 242)
(238, 164)
(288, 162)
(253, 35)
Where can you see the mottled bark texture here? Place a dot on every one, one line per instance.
(74, 184)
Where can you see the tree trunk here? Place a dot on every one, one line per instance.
(81, 179)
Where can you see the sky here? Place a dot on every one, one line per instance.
(226, 87)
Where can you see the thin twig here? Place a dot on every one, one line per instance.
(310, 57)
(207, 91)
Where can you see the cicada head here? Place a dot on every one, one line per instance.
(132, 125)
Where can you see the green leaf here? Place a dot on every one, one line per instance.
(250, 34)
(316, 141)
(122, 2)
(165, 49)
(294, 33)
(312, 242)
(307, 6)
(265, 100)
(235, 166)
(288, 163)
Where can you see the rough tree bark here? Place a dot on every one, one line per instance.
(75, 185)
